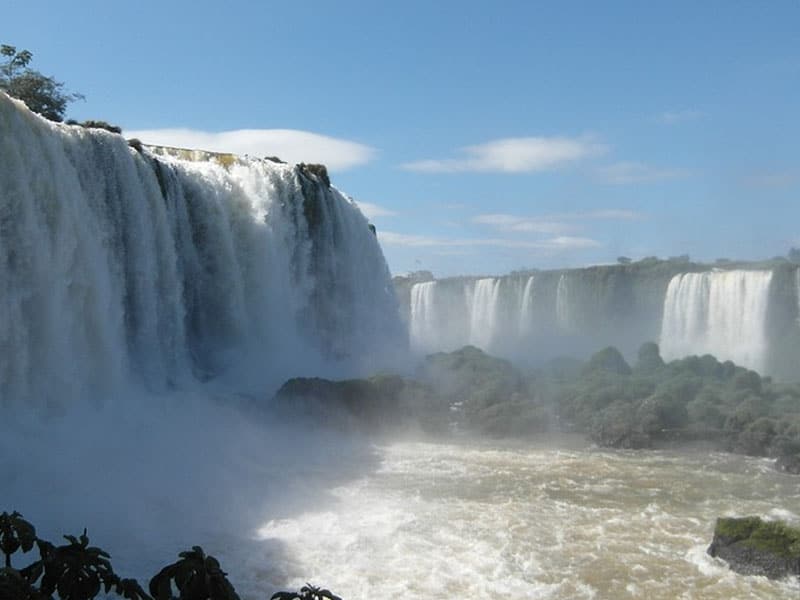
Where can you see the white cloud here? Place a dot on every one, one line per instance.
(619, 214)
(505, 222)
(556, 243)
(622, 173)
(553, 224)
(672, 117)
(514, 155)
(291, 145)
(371, 211)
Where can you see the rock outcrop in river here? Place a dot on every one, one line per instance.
(755, 547)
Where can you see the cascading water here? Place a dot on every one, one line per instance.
(483, 307)
(526, 307)
(119, 267)
(563, 313)
(721, 313)
(797, 292)
(149, 300)
(423, 318)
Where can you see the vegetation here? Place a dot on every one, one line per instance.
(307, 592)
(78, 571)
(42, 94)
(695, 398)
(756, 547)
(93, 124)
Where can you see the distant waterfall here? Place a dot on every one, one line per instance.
(526, 307)
(797, 292)
(118, 266)
(483, 309)
(423, 318)
(563, 312)
(721, 313)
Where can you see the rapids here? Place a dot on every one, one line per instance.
(561, 521)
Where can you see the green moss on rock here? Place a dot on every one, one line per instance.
(752, 546)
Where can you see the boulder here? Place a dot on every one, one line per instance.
(375, 403)
(752, 546)
(788, 463)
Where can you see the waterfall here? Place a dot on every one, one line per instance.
(483, 308)
(797, 292)
(563, 312)
(525, 308)
(119, 267)
(721, 313)
(423, 318)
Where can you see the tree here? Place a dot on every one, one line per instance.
(42, 94)
(197, 576)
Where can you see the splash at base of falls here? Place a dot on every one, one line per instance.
(565, 522)
(150, 299)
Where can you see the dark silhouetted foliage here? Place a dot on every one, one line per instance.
(15, 533)
(307, 592)
(196, 576)
(78, 571)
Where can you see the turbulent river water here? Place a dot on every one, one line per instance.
(467, 520)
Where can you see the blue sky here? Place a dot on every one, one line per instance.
(479, 137)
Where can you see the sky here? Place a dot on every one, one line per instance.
(478, 137)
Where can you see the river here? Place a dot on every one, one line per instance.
(561, 520)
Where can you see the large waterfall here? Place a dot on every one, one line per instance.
(483, 310)
(750, 316)
(423, 316)
(526, 306)
(157, 266)
(723, 313)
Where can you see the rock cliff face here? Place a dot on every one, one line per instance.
(755, 547)
(747, 312)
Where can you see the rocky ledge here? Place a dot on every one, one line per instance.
(752, 546)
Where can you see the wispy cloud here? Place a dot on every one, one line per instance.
(514, 155)
(372, 211)
(291, 145)
(556, 243)
(620, 214)
(505, 222)
(623, 173)
(552, 224)
(772, 179)
(671, 117)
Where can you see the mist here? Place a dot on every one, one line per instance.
(200, 348)
(745, 312)
(153, 301)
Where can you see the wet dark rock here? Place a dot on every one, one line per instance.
(789, 463)
(752, 546)
(314, 171)
(95, 124)
(375, 403)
